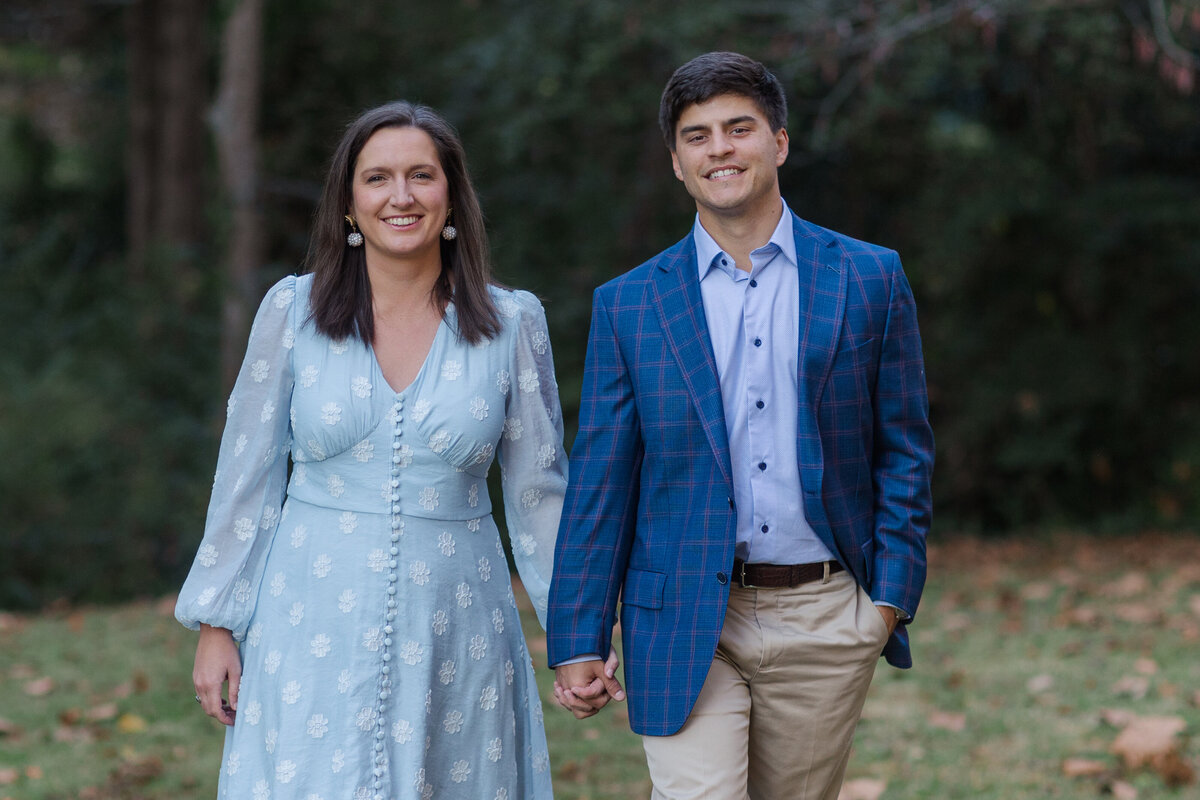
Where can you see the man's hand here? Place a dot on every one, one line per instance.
(586, 687)
(890, 618)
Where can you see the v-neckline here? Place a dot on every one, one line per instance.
(437, 335)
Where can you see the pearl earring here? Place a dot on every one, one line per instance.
(354, 238)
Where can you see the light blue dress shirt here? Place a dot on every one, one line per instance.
(754, 325)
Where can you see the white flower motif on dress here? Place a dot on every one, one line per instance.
(299, 535)
(347, 522)
(440, 622)
(545, 456)
(365, 718)
(418, 573)
(402, 731)
(446, 673)
(338, 347)
(463, 595)
(299, 474)
(428, 498)
(268, 412)
(503, 381)
(363, 451)
(421, 786)
(252, 712)
(541, 761)
(531, 497)
(473, 496)
(513, 429)
(527, 543)
(452, 370)
(270, 516)
(318, 452)
(473, 524)
(405, 454)
(260, 370)
(320, 645)
(291, 692)
(478, 647)
(440, 441)
(207, 555)
(331, 413)
(230, 405)
(242, 590)
(540, 342)
(243, 529)
(507, 308)
(347, 600)
(254, 635)
(322, 566)
(289, 339)
(453, 722)
(501, 794)
(344, 681)
(460, 771)
(485, 569)
(498, 620)
(420, 410)
(487, 700)
(318, 726)
(529, 380)
(479, 408)
(237, 485)
(308, 376)
(495, 747)
(296, 613)
(234, 762)
(361, 387)
(278, 584)
(270, 740)
(377, 560)
(262, 791)
(485, 453)
(412, 653)
(509, 672)
(446, 543)
(338, 762)
(373, 639)
(284, 297)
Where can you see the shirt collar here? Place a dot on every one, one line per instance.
(708, 251)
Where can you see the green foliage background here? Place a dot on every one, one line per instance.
(1034, 163)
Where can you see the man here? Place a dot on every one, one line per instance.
(751, 474)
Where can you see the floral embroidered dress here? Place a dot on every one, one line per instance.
(383, 656)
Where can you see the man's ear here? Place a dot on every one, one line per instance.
(675, 165)
(781, 142)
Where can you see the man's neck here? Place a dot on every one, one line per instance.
(739, 236)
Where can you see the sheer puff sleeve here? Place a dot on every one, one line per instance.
(533, 465)
(251, 479)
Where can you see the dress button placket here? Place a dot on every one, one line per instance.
(385, 672)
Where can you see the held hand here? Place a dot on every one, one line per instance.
(586, 687)
(890, 618)
(217, 661)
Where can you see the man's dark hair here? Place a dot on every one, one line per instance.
(715, 74)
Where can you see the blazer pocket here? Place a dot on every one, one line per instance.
(643, 589)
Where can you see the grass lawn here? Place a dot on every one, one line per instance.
(1033, 656)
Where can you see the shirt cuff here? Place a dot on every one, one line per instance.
(901, 614)
(576, 660)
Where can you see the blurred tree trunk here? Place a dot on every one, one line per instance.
(168, 92)
(235, 124)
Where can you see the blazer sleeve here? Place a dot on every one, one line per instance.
(598, 521)
(903, 455)
(251, 477)
(533, 466)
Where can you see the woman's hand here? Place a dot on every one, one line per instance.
(217, 661)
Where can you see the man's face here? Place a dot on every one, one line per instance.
(728, 157)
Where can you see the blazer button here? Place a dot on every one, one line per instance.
(722, 578)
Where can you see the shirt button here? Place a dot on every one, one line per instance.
(758, 342)
(753, 283)
(759, 404)
(724, 263)
(765, 528)
(722, 578)
(730, 499)
(762, 465)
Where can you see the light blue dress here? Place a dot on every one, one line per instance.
(382, 651)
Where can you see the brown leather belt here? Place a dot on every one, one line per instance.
(776, 576)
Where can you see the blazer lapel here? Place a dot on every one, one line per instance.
(676, 287)
(823, 277)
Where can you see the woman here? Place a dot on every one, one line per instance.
(361, 611)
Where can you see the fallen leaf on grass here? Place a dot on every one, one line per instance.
(102, 712)
(1039, 590)
(862, 789)
(40, 687)
(1146, 666)
(131, 723)
(1039, 683)
(1128, 585)
(591, 734)
(9, 728)
(1122, 790)
(1138, 613)
(1135, 686)
(1147, 739)
(34, 772)
(8, 776)
(1083, 767)
(948, 720)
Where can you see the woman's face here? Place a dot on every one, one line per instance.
(401, 197)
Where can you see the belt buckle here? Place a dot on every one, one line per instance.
(742, 579)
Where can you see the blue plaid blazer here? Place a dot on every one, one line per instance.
(649, 519)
